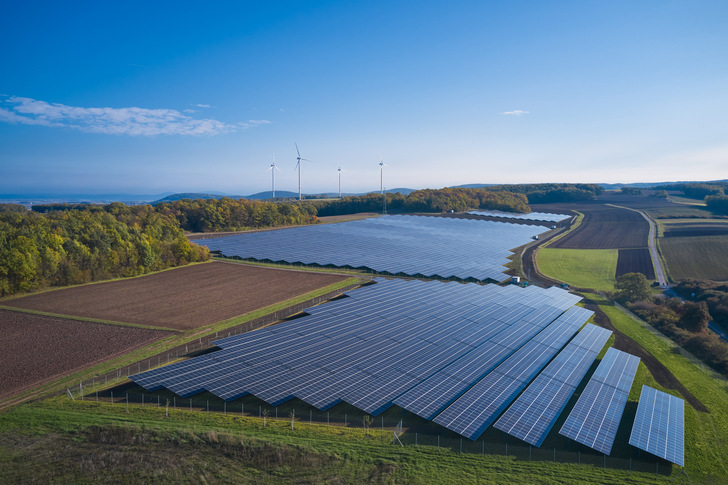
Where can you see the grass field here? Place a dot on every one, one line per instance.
(585, 268)
(82, 442)
(702, 257)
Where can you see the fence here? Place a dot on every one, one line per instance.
(402, 433)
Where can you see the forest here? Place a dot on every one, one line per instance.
(426, 200)
(66, 247)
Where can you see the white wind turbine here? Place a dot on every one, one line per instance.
(298, 166)
(381, 175)
(272, 169)
(340, 182)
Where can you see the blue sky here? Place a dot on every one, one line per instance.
(150, 97)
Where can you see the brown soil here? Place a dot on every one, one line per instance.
(182, 298)
(35, 348)
(635, 260)
(606, 227)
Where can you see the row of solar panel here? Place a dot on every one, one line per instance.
(406, 245)
(596, 415)
(535, 412)
(531, 216)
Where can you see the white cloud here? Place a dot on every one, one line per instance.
(203, 106)
(516, 112)
(116, 121)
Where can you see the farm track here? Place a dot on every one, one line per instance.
(182, 298)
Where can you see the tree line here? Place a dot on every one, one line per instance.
(65, 247)
(426, 200)
(685, 320)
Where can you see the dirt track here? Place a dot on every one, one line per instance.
(35, 348)
(182, 298)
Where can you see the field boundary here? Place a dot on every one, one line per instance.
(86, 319)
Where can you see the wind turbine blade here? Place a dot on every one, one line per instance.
(297, 151)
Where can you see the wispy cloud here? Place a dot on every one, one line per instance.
(115, 121)
(203, 106)
(515, 112)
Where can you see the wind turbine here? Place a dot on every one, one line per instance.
(381, 175)
(340, 182)
(298, 166)
(272, 169)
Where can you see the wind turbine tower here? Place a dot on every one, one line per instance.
(340, 182)
(381, 175)
(272, 169)
(298, 166)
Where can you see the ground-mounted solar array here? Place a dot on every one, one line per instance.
(397, 245)
(596, 415)
(659, 426)
(472, 413)
(535, 412)
(531, 216)
(373, 347)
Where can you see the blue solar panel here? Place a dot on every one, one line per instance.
(535, 412)
(659, 426)
(374, 346)
(595, 418)
(409, 245)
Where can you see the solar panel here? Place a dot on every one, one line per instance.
(535, 411)
(532, 216)
(407, 245)
(378, 344)
(659, 425)
(595, 418)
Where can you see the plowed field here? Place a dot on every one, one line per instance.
(35, 348)
(606, 227)
(635, 261)
(182, 298)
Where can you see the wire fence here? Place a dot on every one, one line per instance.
(402, 434)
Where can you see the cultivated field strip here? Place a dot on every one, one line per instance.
(606, 227)
(397, 245)
(384, 344)
(181, 298)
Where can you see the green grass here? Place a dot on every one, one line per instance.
(83, 442)
(585, 268)
(702, 257)
(686, 200)
(706, 434)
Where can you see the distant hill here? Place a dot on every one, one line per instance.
(643, 185)
(473, 186)
(193, 195)
(280, 194)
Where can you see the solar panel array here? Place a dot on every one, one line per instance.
(472, 413)
(531, 216)
(398, 245)
(595, 418)
(376, 344)
(659, 426)
(535, 412)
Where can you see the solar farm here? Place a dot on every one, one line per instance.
(471, 363)
(471, 250)
(455, 354)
